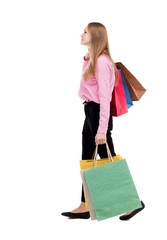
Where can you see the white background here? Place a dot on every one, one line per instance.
(41, 116)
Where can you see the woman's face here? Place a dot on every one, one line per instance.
(85, 37)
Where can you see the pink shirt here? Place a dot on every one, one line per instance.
(99, 89)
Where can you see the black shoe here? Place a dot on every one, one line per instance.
(83, 215)
(133, 213)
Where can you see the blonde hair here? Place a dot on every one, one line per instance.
(99, 45)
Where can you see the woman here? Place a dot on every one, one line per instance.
(97, 83)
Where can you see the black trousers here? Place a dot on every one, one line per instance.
(90, 127)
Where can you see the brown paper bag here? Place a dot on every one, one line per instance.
(88, 199)
(136, 89)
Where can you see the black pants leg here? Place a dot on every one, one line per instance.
(91, 123)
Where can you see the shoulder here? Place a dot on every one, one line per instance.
(104, 60)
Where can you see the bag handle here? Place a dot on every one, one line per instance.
(96, 152)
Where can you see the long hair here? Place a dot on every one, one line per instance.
(99, 45)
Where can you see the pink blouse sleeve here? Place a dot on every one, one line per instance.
(105, 78)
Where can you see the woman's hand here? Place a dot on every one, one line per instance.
(100, 138)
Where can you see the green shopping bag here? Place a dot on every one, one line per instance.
(111, 190)
(94, 162)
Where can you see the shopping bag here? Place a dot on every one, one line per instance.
(94, 162)
(111, 190)
(90, 163)
(88, 201)
(136, 89)
(118, 105)
(127, 94)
